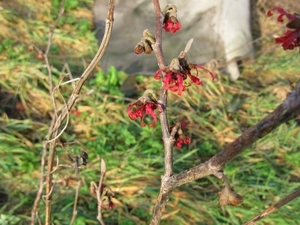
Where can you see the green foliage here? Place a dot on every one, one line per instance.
(109, 82)
(69, 4)
(11, 49)
(79, 221)
(112, 138)
(83, 27)
(9, 219)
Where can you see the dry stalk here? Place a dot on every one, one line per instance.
(57, 120)
(274, 207)
(99, 200)
(75, 202)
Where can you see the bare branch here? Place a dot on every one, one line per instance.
(289, 109)
(168, 140)
(34, 211)
(273, 208)
(75, 202)
(57, 121)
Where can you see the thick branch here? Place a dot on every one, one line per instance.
(289, 109)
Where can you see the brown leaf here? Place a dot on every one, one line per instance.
(229, 196)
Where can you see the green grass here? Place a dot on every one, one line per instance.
(216, 113)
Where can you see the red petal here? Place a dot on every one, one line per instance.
(156, 75)
(203, 68)
(282, 13)
(180, 84)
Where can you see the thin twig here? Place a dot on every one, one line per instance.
(60, 13)
(75, 203)
(67, 68)
(273, 208)
(41, 186)
(34, 211)
(56, 111)
(99, 194)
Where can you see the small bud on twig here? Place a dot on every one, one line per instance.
(145, 45)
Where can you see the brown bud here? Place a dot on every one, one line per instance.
(229, 196)
(234, 198)
(139, 48)
(39, 56)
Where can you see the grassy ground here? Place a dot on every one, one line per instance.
(263, 174)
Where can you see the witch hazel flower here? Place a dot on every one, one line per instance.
(179, 136)
(170, 23)
(291, 38)
(145, 105)
(178, 72)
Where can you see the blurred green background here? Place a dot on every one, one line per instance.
(216, 113)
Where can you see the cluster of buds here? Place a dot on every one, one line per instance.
(291, 38)
(145, 45)
(170, 24)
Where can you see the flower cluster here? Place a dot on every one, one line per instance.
(291, 38)
(180, 137)
(177, 72)
(145, 105)
(171, 24)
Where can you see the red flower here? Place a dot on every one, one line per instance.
(75, 112)
(180, 137)
(195, 79)
(182, 140)
(171, 26)
(173, 79)
(282, 14)
(144, 106)
(291, 38)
